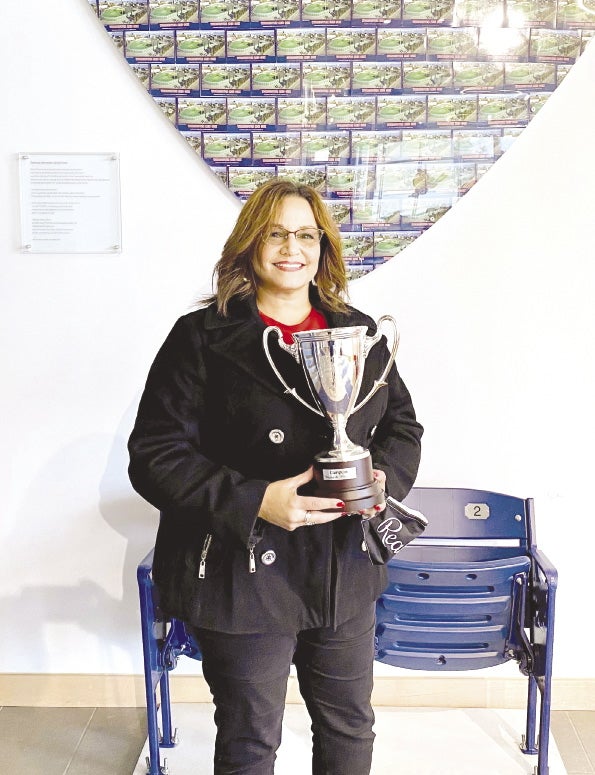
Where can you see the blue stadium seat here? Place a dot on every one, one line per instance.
(164, 641)
(473, 592)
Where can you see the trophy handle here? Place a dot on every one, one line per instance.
(370, 341)
(292, 349)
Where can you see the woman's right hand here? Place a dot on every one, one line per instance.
(283, 506)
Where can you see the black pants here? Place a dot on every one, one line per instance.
(247, 675)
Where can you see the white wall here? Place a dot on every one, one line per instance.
(494, 305)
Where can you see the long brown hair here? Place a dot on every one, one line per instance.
(234, 272)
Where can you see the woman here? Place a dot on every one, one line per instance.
(262, 574)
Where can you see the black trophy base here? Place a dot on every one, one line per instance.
(350, 481)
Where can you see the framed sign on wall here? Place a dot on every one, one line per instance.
(70, 202)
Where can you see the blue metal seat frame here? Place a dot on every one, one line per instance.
(474, 591)
(164, 641)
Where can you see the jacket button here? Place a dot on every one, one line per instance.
(268, 557)
(276, 436)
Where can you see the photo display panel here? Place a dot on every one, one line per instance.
(391, 109)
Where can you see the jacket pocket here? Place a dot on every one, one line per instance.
(206, 557)
(202, 565)
(255, 538)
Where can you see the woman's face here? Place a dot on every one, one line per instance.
(288, 267)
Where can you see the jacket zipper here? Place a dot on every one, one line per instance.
(251, 560)
(202, 567)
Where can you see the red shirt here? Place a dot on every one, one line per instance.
(314, 320)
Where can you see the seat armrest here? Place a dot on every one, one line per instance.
(546, 567)
(144, 568)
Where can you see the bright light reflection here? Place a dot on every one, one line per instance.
(493, 19)
(501, 40)
(517, 18)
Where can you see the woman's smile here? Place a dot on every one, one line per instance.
(289, 266)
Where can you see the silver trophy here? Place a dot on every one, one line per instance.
(333, 362)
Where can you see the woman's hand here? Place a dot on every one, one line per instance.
(380, 477)
(283, 506)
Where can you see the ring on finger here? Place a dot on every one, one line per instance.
(308, 521)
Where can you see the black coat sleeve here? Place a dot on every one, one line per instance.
(396, 445)
(168, 464)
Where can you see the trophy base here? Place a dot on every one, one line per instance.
(351, 481)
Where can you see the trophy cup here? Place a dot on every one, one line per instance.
(333, 362)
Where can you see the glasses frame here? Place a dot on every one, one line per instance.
(269, 240)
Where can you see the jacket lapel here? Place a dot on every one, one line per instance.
(238, 339)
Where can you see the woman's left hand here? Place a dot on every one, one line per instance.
(380, 477)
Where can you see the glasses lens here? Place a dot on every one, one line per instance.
(308, 235)
(277, 236)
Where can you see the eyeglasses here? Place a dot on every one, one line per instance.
(277, 236)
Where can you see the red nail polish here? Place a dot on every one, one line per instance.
(340, 505)
(377, 508)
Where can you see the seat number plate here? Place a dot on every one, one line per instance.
(477, 511)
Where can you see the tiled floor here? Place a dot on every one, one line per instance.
(574, 732)
(108, 741)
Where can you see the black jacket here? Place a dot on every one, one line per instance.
(206, 445)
